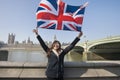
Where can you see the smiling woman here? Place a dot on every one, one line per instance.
(55, 66)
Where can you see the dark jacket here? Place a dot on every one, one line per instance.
(55, 66)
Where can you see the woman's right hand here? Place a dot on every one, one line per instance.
(35, 31)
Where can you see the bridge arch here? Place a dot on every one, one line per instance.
(111, 47)
(78, 49)
(112, 40)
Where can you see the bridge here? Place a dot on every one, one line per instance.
(102, 43)
(102, 49)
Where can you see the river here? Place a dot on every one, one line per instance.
(28, 56)
(40, 56)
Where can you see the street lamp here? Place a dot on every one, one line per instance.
(85, 44)
(85, 50)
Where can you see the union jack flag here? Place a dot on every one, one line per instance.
(55, 14)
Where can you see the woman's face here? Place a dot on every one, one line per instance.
(56, 46)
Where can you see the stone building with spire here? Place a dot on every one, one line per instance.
(11, 38)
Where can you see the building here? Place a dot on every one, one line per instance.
(55, 38)
(29, 41)
(11, 38)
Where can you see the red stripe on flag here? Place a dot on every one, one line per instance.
(73, 27)
(60, 15)
(48, 25)
(79, 20)
(45, 6)
(46, 16)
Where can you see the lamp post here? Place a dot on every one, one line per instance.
(85, 46)
(85, 50)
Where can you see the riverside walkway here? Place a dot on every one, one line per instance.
(87, 70)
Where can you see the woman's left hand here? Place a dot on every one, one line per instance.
(80, 34)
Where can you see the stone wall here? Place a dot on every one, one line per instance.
(90, 70)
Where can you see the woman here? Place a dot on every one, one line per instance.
(55, 66)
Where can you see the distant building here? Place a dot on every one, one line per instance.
(55, 38)
(29, 41)
(11, 38)
(24, 42)
(16, 42)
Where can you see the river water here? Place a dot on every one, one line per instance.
(28, 56)
(40, 56)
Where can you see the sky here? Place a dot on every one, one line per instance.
(101, 19)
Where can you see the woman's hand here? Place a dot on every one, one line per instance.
(80, 34)
(35, 31)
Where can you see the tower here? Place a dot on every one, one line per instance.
(55, 38)
(11, 38)
(28, 41)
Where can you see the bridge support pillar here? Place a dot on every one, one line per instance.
(84, 58)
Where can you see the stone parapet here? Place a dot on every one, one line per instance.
(89, 70)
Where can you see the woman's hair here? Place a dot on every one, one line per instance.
(52, 46)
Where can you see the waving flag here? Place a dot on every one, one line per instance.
(55, 14)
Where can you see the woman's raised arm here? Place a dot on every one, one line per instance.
(44, 46)
(71, 46)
